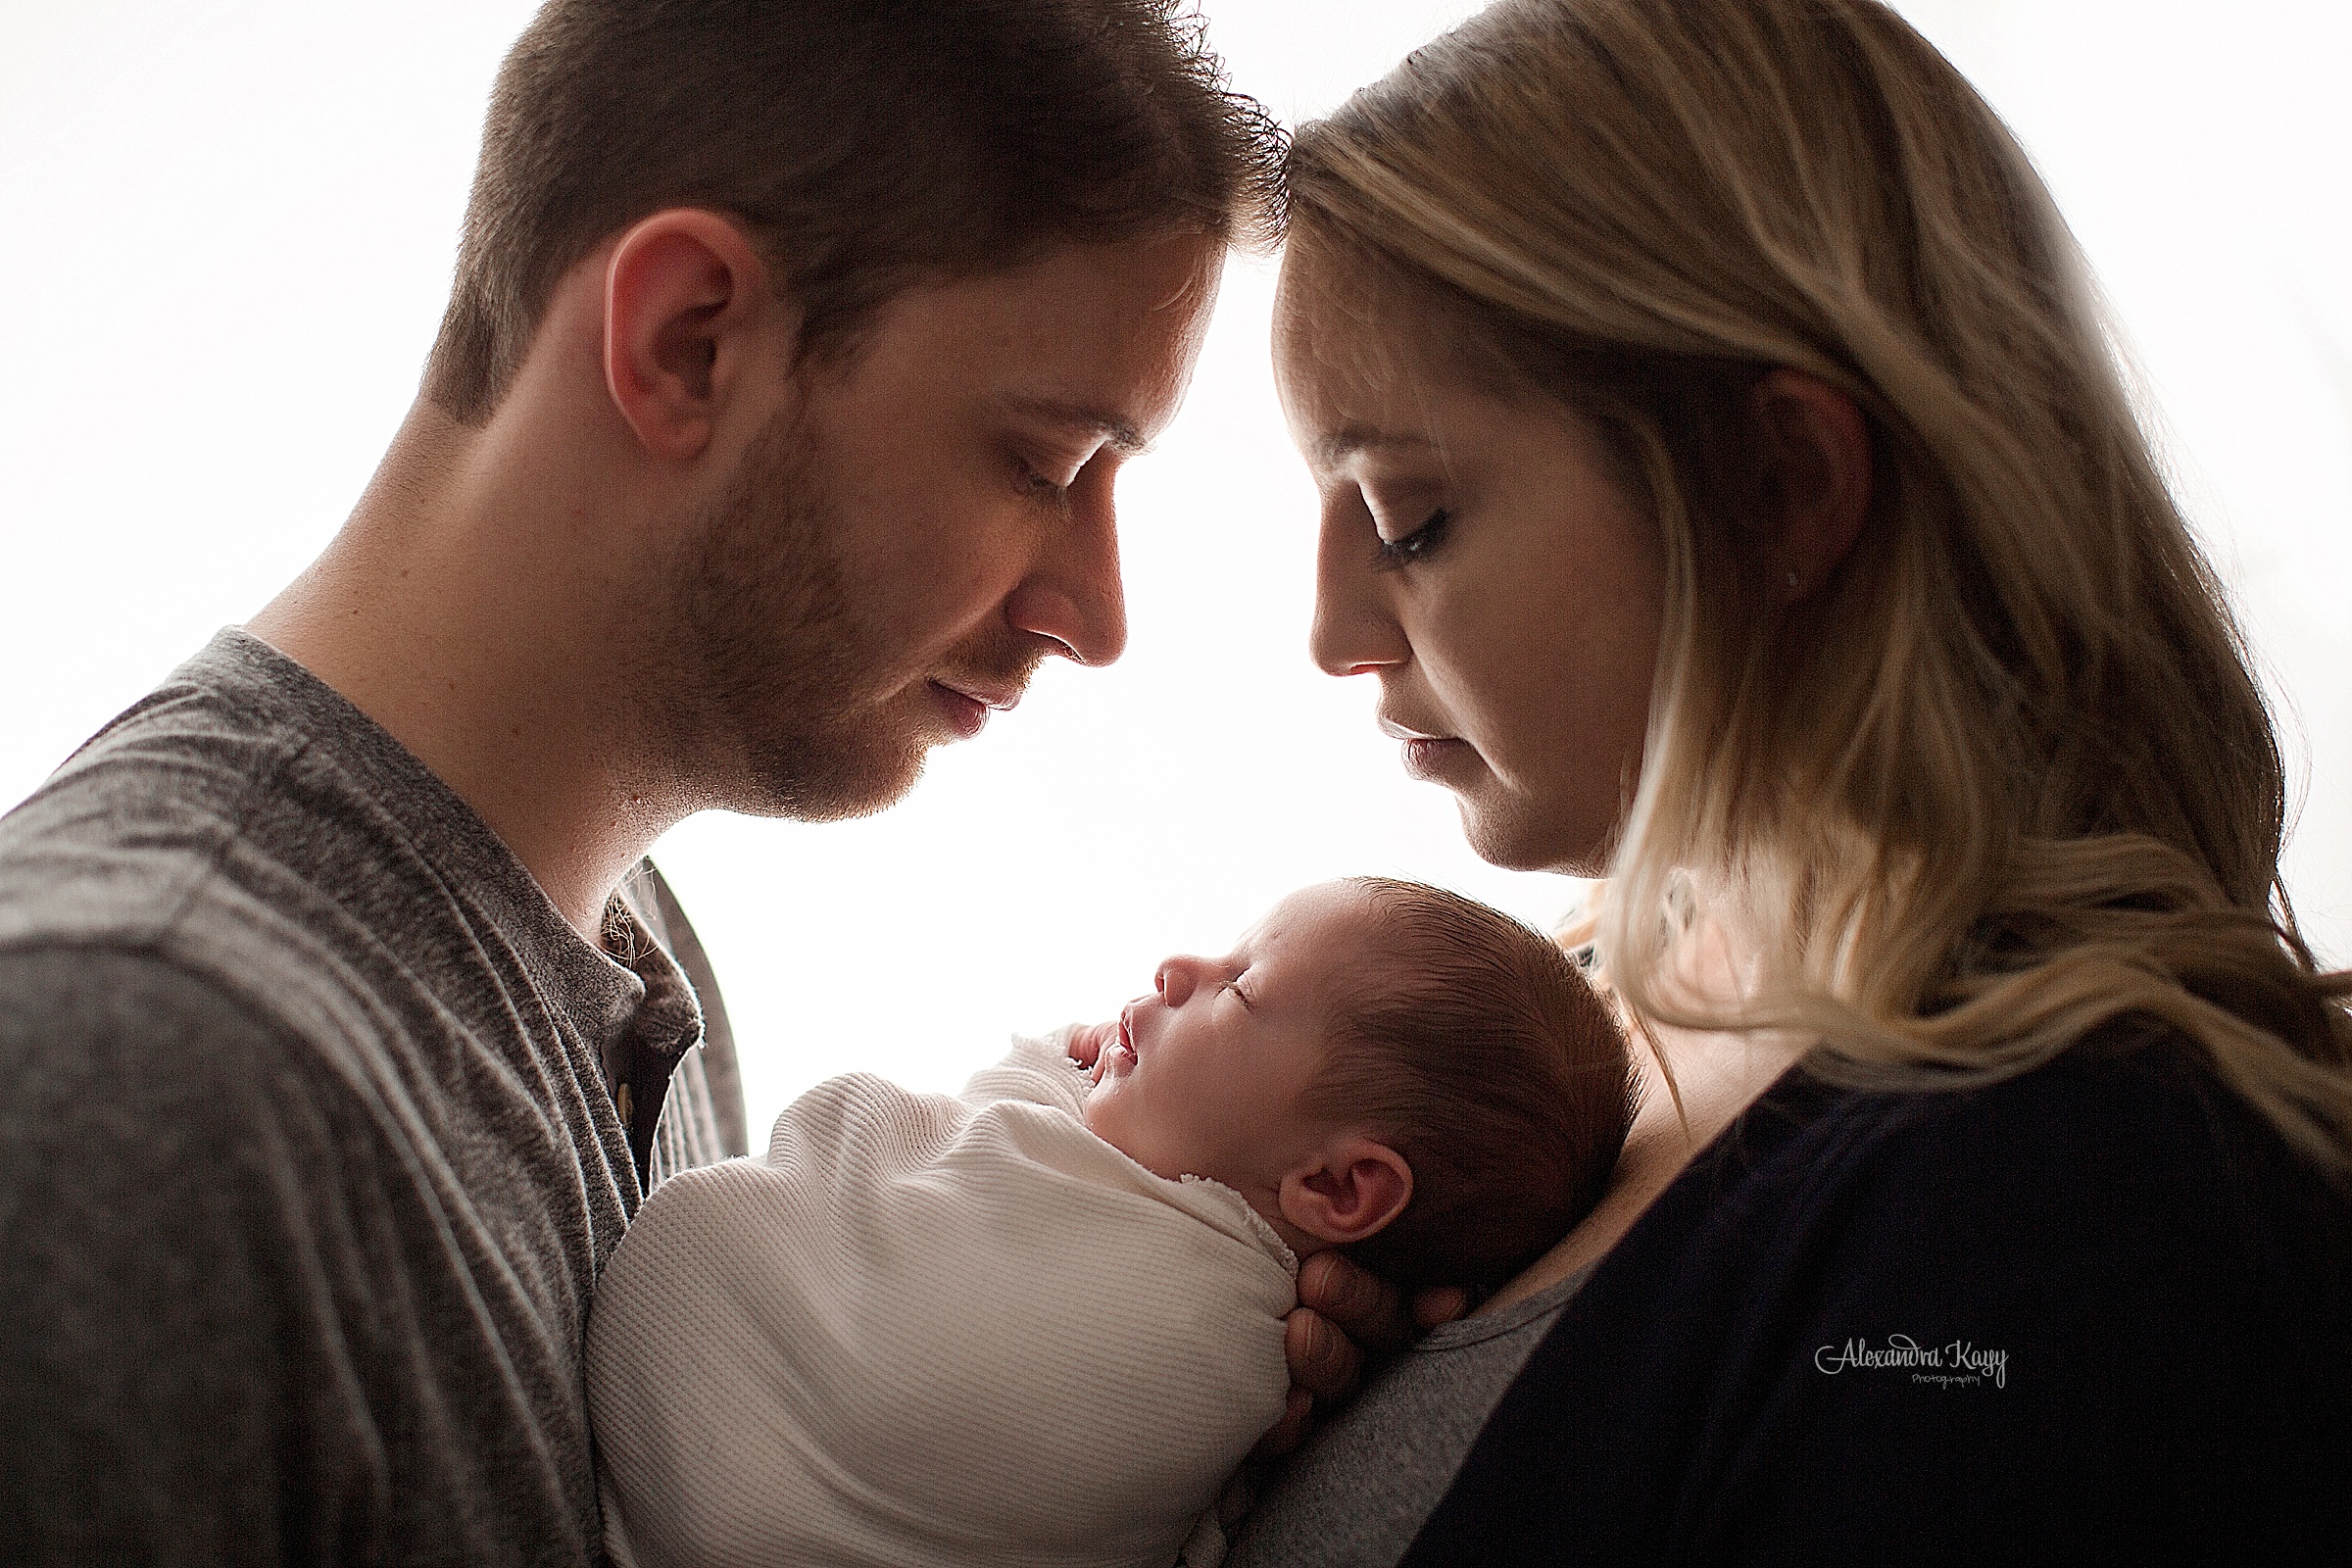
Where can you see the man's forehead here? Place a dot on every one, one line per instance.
(1100, 338)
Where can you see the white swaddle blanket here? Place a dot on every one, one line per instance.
(927, 1330)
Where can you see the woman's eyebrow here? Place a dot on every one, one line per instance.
(1349, 439)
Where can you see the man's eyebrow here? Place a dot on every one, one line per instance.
(1117, 433)
(1349, 439)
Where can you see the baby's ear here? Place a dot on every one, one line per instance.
(1353, 1187)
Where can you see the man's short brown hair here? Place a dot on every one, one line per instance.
(866, 147)
(1476, 1048)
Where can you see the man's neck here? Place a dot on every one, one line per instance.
(457, 611)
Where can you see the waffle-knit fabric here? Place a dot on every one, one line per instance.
(926, 1329)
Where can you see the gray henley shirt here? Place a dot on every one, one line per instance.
(312, 1142)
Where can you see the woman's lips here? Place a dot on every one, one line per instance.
(1425, 755)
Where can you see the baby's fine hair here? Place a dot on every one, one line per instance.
(1474, 1049)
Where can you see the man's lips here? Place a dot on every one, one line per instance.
(968, 703)
(1002, 695)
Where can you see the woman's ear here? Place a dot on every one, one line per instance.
(687, 301)
(1348, 1191)
(1817, 451)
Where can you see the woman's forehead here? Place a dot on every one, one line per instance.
(1340, 313)
(1360, 349)
(1346, 382)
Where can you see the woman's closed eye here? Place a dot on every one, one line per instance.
(1418, 545)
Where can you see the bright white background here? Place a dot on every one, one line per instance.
(226, 228)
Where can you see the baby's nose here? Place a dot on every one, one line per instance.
(1175, 981)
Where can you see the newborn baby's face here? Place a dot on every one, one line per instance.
(1203, 1076)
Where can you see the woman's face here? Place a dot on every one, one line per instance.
(1479, 558)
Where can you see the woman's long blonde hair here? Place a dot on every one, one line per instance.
(2005, 778)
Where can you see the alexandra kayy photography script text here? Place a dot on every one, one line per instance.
(1957, 1365)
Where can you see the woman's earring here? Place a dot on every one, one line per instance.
(1791, 575)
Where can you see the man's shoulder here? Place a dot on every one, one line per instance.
(115, 845)
(168, 925)
(142, 859)
(232, 703)
(117, 1061)
(129, 1033)
(241, 826)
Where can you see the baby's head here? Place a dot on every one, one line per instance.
(1383, 1067)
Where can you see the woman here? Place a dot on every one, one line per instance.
(1726, 478)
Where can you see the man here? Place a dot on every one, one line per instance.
(769, 440)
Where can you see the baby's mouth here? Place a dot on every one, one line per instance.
(1118, 1051)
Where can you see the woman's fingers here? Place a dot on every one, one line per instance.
(1323, 1360)
(1439, 1303)
(1342, 1312)
(1289, 1431)
(1361, 1306)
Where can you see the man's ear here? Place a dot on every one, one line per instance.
(687, 298)
(1818, 450)
(1348, 1191)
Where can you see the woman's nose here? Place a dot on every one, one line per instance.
(1354, 631)
(1178, 978)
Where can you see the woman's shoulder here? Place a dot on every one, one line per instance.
(2118, 1195)
(2127, 1142)
(2078, 1311)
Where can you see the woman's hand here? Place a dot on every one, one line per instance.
(1344, 1313)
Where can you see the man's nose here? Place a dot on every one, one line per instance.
(1356, 632)
(1178, 978)
(1073, 595)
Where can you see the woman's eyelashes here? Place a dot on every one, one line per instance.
(1408, 547)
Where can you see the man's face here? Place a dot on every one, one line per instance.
(901, 549)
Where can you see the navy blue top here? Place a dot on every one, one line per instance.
(2095, 1312)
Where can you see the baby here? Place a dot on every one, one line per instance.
(1041, 1322)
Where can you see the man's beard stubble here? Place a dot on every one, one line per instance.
(769, 660)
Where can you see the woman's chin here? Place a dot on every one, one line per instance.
(1513, 835)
